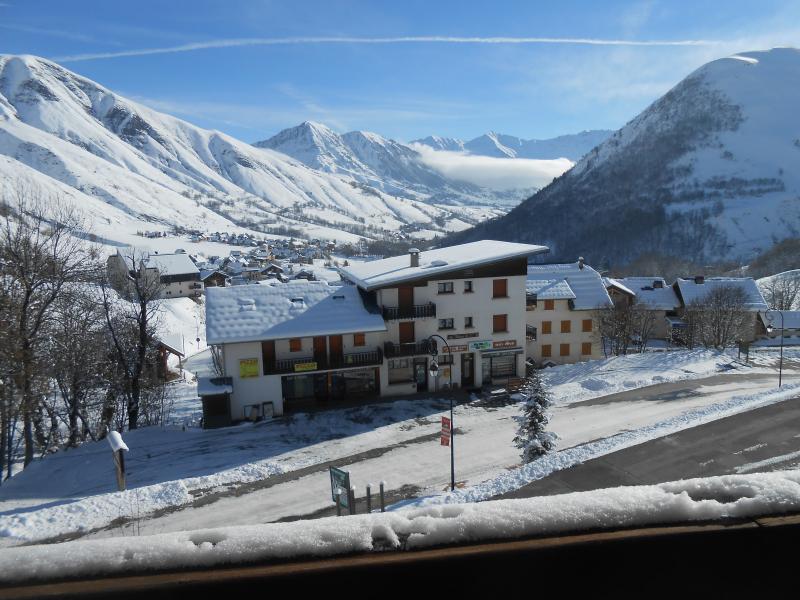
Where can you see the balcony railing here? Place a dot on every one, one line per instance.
(309, 363)
(392, 350)
(418, 311)
(530, 333)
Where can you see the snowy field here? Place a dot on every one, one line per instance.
(257, 473)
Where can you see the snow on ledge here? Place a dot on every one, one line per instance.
(705, 499)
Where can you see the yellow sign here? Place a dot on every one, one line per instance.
(308, 366)
(248, 367)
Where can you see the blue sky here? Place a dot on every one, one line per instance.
(251, 68)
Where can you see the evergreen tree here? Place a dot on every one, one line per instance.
(532, 439)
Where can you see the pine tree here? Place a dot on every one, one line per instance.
(532, 439)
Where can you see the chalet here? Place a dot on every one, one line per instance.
(213, 278)
(177, 273)
(561, 300)
(654, 294)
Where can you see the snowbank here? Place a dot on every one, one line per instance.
(731, 496)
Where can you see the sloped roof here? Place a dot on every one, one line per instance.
(549, 289)
(585, 283)
(397, 269)
(691, 291)
(663, 298)
(791, 319)
(272, 310)
(616, 283)
(172, 264)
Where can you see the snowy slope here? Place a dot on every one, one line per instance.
(708, 171)
(499, 145)
(124, 163)
(385, 164)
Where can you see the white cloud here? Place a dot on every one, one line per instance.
(491, 172)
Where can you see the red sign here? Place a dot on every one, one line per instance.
(446, 431)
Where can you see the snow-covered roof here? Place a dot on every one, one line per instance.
(791, 319)
(616, 283)
(272, 310)
(397, 269)
(585, 283)
(648, 293)
(211, 386)
(549, 289)
(690, 291)
(171, 264)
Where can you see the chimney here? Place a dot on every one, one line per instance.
(413, 253)
(580, 262)
(699, 279)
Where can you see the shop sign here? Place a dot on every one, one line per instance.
(458, 336)
(482, 345)
(505, 344)
(462, 348)
(306, 366)
(446, 431)
(248, 367)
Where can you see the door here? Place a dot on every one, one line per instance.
(320, 352)
(268, 356)
(405, 297)
(335, 345)
(467, 369)
(407, 332)
(421, 374)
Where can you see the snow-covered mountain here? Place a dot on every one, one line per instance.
(499, 145)
(124, 163)
(374, 160)
(709, 171)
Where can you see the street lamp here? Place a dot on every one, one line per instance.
(770, 314)
(434, 370)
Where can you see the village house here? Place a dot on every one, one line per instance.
(695, 291)
(285, 345)
(561, 302)
(178, 275)
(654, 294)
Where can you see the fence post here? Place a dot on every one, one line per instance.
(369, 498)
(351, 500)
(383, 498)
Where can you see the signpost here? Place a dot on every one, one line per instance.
(340, 480)
(446, 431)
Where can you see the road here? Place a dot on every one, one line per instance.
(758, 440)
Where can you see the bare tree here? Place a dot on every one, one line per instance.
(41, 252)
(131, 324)
(718, 319)
(782, 291)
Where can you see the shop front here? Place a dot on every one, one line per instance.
(330, 387)
(498, 366)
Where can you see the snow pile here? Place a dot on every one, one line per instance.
(583, 381)
(732, 496)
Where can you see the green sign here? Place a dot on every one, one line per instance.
(483, 345)
(341, 480)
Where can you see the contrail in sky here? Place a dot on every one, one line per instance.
(436, 39)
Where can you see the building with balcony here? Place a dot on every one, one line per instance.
(472, 295)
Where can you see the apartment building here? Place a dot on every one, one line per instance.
(561, 301)
(178, 275)
(285, 345)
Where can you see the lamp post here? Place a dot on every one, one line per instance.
(434, 370)
(770, 314)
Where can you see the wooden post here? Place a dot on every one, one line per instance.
(369, 498)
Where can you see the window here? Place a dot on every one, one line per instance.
(500, 288)
(446, 324)
(500, 323)
(586, 348)
(445, 359)
(446, 287)
(467, 322)
(547, 351)
(549, 304)
(586, 325)
(547, 327)
(566, 326)
(400, 371)
(359, 339)
(468, 287)
(295, 345)
(564, 350)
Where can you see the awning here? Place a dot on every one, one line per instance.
(213, 386)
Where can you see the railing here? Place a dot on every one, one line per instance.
(354, 359)
(392, 350)
(530, 333)
(418, 311)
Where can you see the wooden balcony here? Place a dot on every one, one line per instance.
(392, 350)
(309, 364)
(418, 311)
